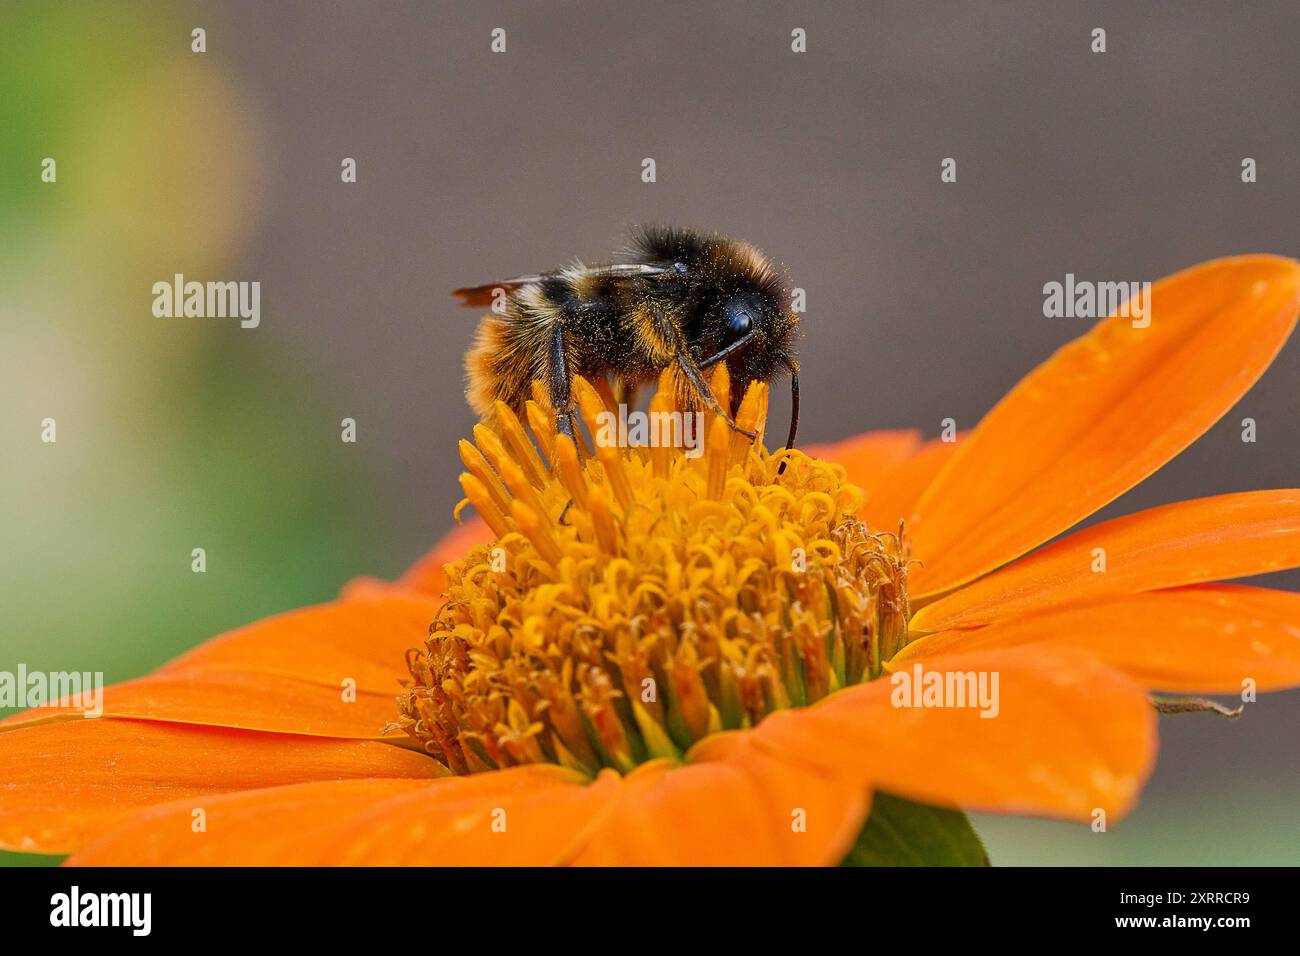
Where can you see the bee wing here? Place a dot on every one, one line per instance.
(481, 295)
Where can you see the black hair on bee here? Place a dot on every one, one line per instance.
(674, 298)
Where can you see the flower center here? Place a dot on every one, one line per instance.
(638, 599)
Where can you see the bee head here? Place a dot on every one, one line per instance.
(730, 294)
(757, 319)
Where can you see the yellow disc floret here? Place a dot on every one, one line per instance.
(638, 599)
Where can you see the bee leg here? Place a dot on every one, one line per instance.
(698, 382)
(794, 412)
(559, 383)
(564, 425)
(673, 338)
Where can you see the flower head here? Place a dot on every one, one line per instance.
(638, 600)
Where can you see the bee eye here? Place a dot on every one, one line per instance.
(740, 322)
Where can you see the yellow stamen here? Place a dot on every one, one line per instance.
(661, 456)
(540, 420)
(524, 490)
(749, 418)
(716, 454)
(521, 449)
(721, 385)
(481, 499)
(478, 467)
(570, 469)
(531, 524)
(490, 445)
(590, 404)
(602, 520)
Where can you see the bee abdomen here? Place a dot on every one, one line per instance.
(514, 349)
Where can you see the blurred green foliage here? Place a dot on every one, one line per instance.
(171, 434)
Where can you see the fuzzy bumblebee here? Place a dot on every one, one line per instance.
(675, 299)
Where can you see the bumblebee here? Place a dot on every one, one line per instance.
(675, 298)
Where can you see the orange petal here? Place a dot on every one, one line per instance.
(1210, 539)
(268, 827)
(869, 457)
(1204, 639)
(364, 640)
(1101, 414)
(1070, 736)
(426, 574)
(247, 700)
(292, 673)
(734, 804)
(367, 587)
(895, 498)
(531, 816)
(69, 780)
(525, 816)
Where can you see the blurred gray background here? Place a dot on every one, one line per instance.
(924, 298)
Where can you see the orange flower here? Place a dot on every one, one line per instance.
(654, 659)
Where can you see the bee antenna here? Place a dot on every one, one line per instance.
(794, 411)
